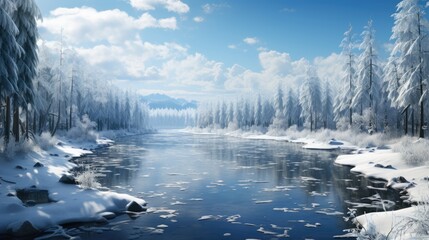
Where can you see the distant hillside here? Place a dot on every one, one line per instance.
(157, 100)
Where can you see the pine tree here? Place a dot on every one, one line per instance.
(410, 33)
(343, 102)
(368, 87)
(327, 108)
(9, 50)
(25, 17)
(311, 99)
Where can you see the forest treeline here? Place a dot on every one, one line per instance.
(49, 89)
(374, 96)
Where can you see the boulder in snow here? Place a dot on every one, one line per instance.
(382, 166)
(38, 165)
(68, 179)
(135, 207)
(108, 215)
(335, 142)
(24, 229)
(27, 195)
(399, 183)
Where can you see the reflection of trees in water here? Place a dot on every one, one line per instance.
(282, 161)
(344, 182)
(117, 165)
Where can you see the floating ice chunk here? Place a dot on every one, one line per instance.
(157, 231)
(166, 216)
(233, 218)
(178, 203)
(286, 210)
(162, 226)
(314, 193)
(308, 179)
(352, 188)
(312, 225)
(315, 205)
(262, 230)
(196, 199)
(329, 212)
(206, 217)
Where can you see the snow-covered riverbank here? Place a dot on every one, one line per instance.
(39, 169)
(404, 168)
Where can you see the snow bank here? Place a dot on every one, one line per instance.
(42, 169)
(406, 176)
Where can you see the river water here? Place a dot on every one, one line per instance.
(217, 187)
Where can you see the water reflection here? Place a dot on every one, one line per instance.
(212, 187)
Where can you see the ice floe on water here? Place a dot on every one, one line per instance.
(263, 201)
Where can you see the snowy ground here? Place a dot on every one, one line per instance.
(372, 156)
(69, 203)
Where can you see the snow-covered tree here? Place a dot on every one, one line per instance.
(327, 107)
(258, 111)
(343, 101)
(268, 113)
(410, 49)
(368, 85)
(9, 50)
(291, 108)
(279, 121)
(310, 99)
(230, 116)
(25, 17)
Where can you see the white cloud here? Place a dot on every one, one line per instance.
(198, 19)
(211, 7)
(83, 25)
(195, 70)
(232, 46)
(251, 40)
(176, 6)
(134, 59)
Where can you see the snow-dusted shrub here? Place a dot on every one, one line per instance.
(83, 130)
(46, 141)
(368, 232)
(14, 148)
(414, 152)
(88, 179)
(343, 124)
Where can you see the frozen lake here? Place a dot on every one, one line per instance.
(216, 187)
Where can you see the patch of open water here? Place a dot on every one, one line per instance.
(216, 187)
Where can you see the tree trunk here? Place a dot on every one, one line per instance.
(351, 117)
(58, 119)
(27, 122)
(7, 122)
(34, 121)
(15, 127)
(422, 121)
(406, 122)
(412, 122)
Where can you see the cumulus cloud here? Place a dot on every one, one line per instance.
(251, 40)
(176, 6)
(194, 69)
(134, 59)
(83, 25)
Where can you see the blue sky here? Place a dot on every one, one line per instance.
(235, 42)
